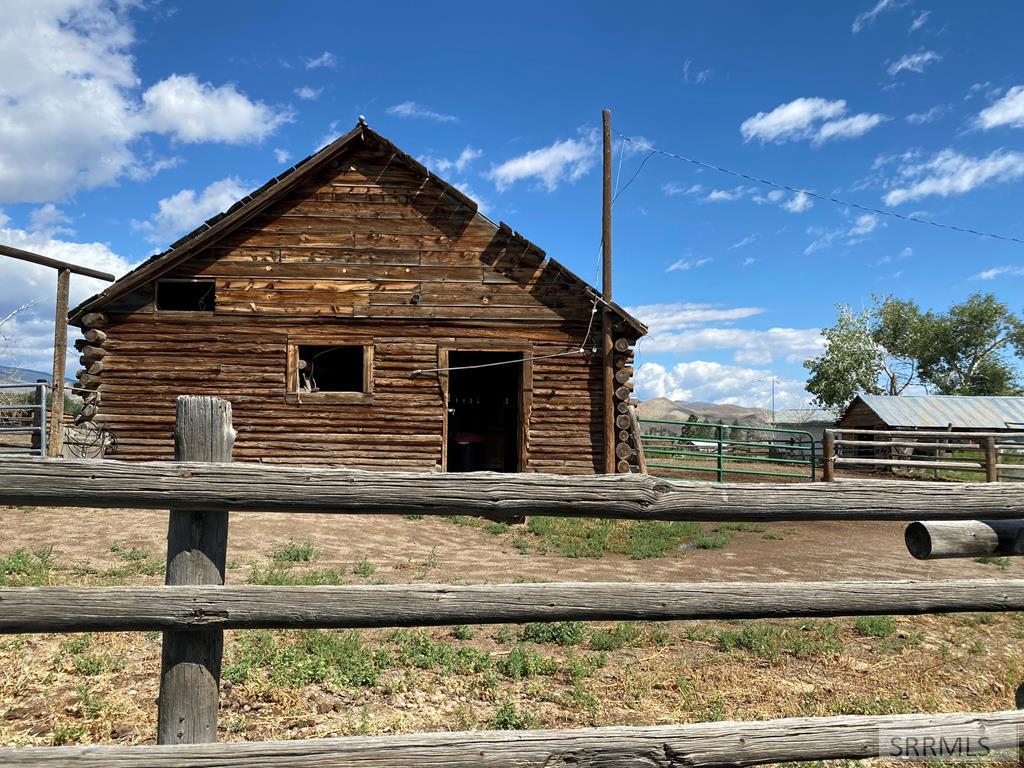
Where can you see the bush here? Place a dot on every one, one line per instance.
(557, 632)
(875, 626)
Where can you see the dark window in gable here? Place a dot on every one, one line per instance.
(191, 295)
(332, 368)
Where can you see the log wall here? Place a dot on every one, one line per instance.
(366, 251)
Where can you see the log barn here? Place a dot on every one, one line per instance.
(359, 311)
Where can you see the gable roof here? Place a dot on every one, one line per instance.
(942, 411)
(257, 201)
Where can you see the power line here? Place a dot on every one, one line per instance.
(815, 195)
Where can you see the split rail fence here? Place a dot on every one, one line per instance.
(195, 608)
(996, 455)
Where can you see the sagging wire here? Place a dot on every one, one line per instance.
(582, 350)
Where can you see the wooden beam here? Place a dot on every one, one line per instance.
(698, 745)
(55, 443)
(197, 542)
(283, 488)
(607, 348)
(935, 539)
(46, 261)
(191, 608)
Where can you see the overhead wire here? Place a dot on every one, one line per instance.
(814, 195)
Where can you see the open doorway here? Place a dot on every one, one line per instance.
(484, 407)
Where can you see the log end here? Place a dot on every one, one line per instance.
(919, 541)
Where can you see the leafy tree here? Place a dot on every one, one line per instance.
(892, 345)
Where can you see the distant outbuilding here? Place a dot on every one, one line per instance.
(953, 412)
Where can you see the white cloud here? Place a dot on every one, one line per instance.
(72, 117)
(185, 210)
(913, 62)
(308, 93)
(324, 60)
(727, 195)
(637, 145)
(774, 196)
(50, 220)
(920, 20)
(31, 333)
(679, 315)
(798, 203)
(848, 127)
(794, 345)
(868, 17)
(192, 112)
(282, 156)
(460, 164)
(694, 76)
(567, 160)
(1009, 110)
(991, 274)
(706, 381)
(687, 264)
(748, 240)
(862, 226)
(811, 119)
(671, 189)
(922, 118)
(951, 173)
(413, 110)
(748, 261)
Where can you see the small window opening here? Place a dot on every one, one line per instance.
(331, 368)
(185, 295)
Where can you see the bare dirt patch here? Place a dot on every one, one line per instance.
(102, 687)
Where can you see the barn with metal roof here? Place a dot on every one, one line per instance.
(964, 413)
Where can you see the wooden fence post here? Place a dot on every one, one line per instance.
(828, 456)
(991, 460)
(196, 554)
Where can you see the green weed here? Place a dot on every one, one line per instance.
(875, 626)
(295, 552)
(556, 632)
(508, 718)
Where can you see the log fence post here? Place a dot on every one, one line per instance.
(991, 460)
(828, 456)
(196, 554)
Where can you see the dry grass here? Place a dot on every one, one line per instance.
(101, 688)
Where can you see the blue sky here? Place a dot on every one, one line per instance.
(122, 126)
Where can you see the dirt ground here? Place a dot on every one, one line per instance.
(102, 687)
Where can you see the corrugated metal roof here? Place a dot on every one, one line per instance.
(805, 416)
(941, 411)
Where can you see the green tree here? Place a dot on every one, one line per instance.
(891, 345)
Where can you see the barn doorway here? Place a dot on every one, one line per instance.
(484, 411)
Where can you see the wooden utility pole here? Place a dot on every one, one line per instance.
(60, 334)
(197, 542)
(60, 357)
(607, 349)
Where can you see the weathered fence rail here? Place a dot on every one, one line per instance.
(262, 488)
(196, 607)
(977, 452)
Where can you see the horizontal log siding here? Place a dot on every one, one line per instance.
(342, 259)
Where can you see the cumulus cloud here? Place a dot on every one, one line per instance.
(950, 173)
(727, 195)
(793, 345)
(282, 156)
(809, 119)
(308, 93)
(413, 110)
(191, 112)
(684, 265)
(707, 381)
(992, 274)
(75, 117)
(913, 62)
(672, 188)
(460, 164)
(799, 203)
(867, 18)
(30, 334)
(1009, 110)
(567, 160)
(185, 210)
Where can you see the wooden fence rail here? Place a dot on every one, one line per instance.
(195, 608)
(118, 609)
(260, 488)
(701, 745)
(921, 449)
